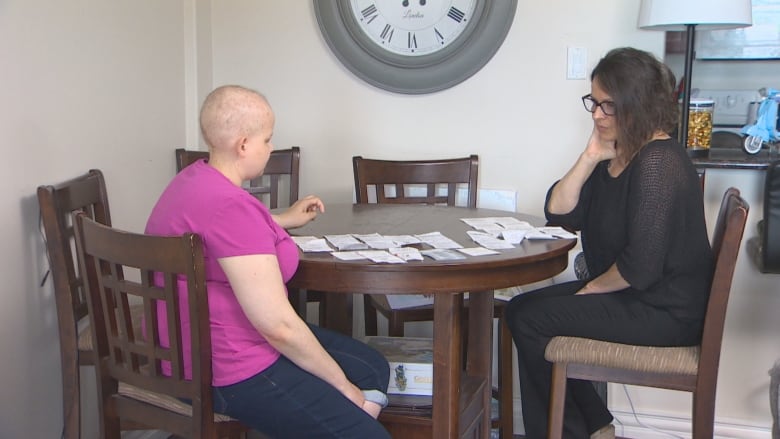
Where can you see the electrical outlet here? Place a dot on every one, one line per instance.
(731, 106)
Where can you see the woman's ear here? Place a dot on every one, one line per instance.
(240, 145)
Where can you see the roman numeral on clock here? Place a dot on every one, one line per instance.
(411, 40)
(456, 14)
(387, 33)
(439, 36)
(369, 13)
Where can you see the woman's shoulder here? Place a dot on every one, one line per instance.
(664, 160)
(662, 145)
(662, 150)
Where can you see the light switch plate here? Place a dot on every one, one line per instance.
(576, 63)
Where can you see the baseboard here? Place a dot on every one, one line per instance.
(665, 427)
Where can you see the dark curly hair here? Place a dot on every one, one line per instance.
(642, 88)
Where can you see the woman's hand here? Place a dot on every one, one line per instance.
(300, 213)
(611, 280)
(566, 193)
(353, 394)
(598, 149)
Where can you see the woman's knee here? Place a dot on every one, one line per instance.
(517, 311)
(382, 367)
(372, 371)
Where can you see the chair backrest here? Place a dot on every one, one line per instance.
(726, 239)
(440, 179)
(186, 157)
(282, 163)
(122, 268)
(85, 193)
(283, 167)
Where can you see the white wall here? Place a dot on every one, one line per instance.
(519, 113)
(116, 86)
(83, 84)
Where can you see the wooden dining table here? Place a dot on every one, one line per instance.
(461, 389)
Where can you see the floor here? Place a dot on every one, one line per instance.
(145, 434)
(154, 434)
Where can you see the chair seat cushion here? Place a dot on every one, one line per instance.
(163, 401)
(85, 342)
(677, 360)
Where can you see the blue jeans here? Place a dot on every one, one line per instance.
(284, 401)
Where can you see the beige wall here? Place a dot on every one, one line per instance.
(116, 86)
(518, 112)
(83, 84)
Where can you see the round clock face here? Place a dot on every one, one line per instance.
(414, 46)
(413, 27)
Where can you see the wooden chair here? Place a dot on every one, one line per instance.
(85, 193)
(691, 369)
(283, 164)
(439, 180)
(120, 268)
(186, 157)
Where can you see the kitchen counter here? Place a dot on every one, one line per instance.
(734, 159)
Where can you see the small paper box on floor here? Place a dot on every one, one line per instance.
(411, 363)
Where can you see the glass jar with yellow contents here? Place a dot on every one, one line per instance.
(700, 123)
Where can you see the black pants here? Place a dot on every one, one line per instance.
(535, 317)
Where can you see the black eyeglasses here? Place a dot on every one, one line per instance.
(607, 107)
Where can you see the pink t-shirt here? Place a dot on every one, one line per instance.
(231, 222)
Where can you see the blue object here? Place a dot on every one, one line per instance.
(765, 127)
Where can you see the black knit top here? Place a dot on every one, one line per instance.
(650, 220)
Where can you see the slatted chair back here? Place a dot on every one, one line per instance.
(141, 372)
(402, 182)
(85, 193)
(282, 171)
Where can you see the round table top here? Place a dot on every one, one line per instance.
(527, 262)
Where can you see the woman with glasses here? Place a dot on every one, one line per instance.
(635, 196)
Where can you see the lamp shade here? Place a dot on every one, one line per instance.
(674, 15)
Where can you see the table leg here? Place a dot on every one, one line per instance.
(447, 357)
(505, 380)
(298, 300)
(338, 313)
(480, 348)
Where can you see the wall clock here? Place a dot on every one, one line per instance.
(414, 46)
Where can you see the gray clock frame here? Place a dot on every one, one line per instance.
(429, 73)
